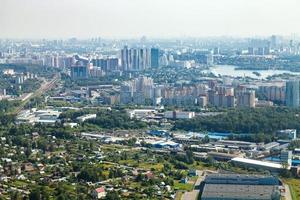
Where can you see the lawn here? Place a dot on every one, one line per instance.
(128, 162)
(183, 186)
(200, 166)
(19, 183)
(148, 166)
(295, 187)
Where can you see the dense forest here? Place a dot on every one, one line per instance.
(259, 120)
(13, 88)
(6, 107)
(106, 119)
(116, 119)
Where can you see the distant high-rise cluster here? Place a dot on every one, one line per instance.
(246, 98)
(81, 68)
(138, 59)
(273, 91)
(96, 67)
(137, 91)
(142, 90)
(106, 64)
(227, 96)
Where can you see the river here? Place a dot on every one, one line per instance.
(229, 70)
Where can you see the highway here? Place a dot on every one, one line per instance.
(47, 85)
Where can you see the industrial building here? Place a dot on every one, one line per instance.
(33, 116)
(241, 179)
(179, 115)
(222, 156)
(257, 164)
(241, 187)
(238, 144)
(290, 134)
(165, 144)
(269, 146)
(240, 192)
(142, 113)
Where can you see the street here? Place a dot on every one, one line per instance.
(193, 195)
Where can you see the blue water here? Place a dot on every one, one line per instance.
(229, 70)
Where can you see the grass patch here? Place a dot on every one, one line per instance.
(148, 166)
(183, 186)
(128, 162)
(294, 187)
(19, 183)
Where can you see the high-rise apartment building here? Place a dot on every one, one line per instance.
(106, 64)
(79, 72)
(136, 59)
(246, 98)
(81, 68)
(292, 93)
(137, 90)
(154, 57)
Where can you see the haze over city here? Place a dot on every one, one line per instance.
(152, 18)
(149, 99)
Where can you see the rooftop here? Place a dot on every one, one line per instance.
(257, 162)
(224, 191)
(241, 179)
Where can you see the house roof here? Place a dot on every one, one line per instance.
(100, 189)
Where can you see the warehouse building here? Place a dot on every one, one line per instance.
(240, 192)
(241, 179)
(237, 144)
(241, 187)
(257, 164)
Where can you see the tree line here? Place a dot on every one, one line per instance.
(251, 120)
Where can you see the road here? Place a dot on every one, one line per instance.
(288, 195)
(47, 85)
(193, 195)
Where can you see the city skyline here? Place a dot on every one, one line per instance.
(149, 99)
(160, 19)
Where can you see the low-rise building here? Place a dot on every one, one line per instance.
(257, 164)
(290, 134)
(99, 193)
(240, 144)
(86, 117)
(269, 146)
(179, 115)
(141, 113)
(33, 116)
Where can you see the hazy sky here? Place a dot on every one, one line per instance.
(152, 18)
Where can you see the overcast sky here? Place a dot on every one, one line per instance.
(152, 18)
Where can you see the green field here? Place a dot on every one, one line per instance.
(183, 186)
(294, 187)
